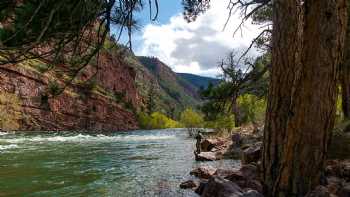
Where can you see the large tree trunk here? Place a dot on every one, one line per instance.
(308, 38)
(345, 77)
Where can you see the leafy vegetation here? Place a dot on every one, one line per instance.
(252, 108)
(54, 88)
(10, 111)
(191, 120)
(157, 120)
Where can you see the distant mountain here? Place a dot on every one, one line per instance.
(174, 93)
(198, 81)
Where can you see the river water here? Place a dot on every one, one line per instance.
(138, 163)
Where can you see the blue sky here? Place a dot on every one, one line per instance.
(191, 48)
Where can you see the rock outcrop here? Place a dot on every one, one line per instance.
(106, 105)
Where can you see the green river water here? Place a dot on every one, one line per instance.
(138, 163)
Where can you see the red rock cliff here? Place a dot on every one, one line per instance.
(74, 109)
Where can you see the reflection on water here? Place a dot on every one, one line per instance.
(139, 163)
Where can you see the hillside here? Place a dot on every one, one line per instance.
(104, 99)
(98, 99)
(198, 81)
(173, 89)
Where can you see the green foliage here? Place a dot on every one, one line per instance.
(54, 88)
(191, 119)
(339, 116)
(252, 108)
(36, 20)
(156, 120)
(119, 96)
(42, 68)
(222, 124)
(89, 86)
(10, 111)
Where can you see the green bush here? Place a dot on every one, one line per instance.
(54, 88)
(10, 111)
(252, 108)
(223, 123)
(156, 120)
(191, 119)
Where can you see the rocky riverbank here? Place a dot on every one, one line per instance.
(246, 181)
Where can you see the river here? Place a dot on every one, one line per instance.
(137, 163)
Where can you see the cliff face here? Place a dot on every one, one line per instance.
(107, 104)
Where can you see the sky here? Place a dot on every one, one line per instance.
(195, 47)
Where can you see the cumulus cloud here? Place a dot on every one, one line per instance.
(197, 47)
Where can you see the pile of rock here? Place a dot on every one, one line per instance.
(212, 149)
(246, 181)
(337, 182)
(238, 146)
(222, 182)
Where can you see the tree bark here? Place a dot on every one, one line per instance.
(308, 39)
(345, 77)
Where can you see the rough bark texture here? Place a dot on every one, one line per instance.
(308, 39)
(345, 77)
(285, 60)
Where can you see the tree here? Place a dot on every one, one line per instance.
(150, 103)
(69, 32)
(191, 120)
(307, 42)
(238, 79)
(345, 76)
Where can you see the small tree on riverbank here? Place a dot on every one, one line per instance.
(191, 120)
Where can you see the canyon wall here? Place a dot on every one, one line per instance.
(106, 105)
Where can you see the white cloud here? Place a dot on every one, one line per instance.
(197, 47)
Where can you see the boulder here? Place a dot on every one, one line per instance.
(201, 187)
(334, 184)
(320, 191)
(188, 184)
(246, 177)
(339, 169)
(208, 144)
(203, 172)
(252, 154)
(236, 139)
(250, 171)
(345, 190)
(252, 193)
(206, 156)
(220, 187)
(224, 172)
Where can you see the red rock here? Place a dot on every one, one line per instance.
(246, 177)
(252, 193)
(203, 172)
(252, 154)
(220, 187)
(69, 110)
(345, 191)
(188, 184)
(207, 156)
(224, 172)
(320, 191)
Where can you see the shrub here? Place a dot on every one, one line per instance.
(10, 111)
(191, 120)
(222, 124)
(54, 88)
(252, 108)
(156, 120)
